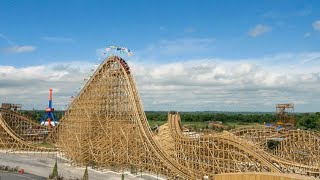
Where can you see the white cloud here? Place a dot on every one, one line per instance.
(259, 29)
(14, 48)
(19, 49)
(218, 84)
(58, 39)
(254, 84)
(316, 25)
(29, 85)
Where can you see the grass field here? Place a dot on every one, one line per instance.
(241, 124)
(46, 145)
(196, 125)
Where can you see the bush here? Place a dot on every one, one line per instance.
(272, 144)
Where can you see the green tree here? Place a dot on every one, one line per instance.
(55, 171)
(308, 121)
(86, 175)
(272, 144)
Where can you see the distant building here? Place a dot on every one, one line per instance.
(9, 106)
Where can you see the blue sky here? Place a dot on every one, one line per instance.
(264, 34)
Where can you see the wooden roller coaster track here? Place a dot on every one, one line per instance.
(268, 161)
(298, 146)
(105, 127)
(19, 133)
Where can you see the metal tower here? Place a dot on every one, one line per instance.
(285, 114)
(49, 118)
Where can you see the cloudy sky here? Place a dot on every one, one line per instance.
(188, 55)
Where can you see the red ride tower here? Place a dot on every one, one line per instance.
(49, 118)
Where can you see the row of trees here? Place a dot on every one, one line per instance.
(228, 117)
(38, 114)
(308, 121)
(214, 116)
(302, 120)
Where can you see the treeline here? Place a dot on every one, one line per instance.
(157, 115)
(36, 115)
(214, 116)
(308, 121)
(302, 120)
(228, 117)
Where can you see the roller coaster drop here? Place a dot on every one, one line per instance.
(105, 127)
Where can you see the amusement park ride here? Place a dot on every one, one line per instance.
(106, 127)
(49, 118)
(284, 114)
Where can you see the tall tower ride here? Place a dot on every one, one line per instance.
(49, 118)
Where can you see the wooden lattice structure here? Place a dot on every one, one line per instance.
(296, 151)
(18, 133)
(299, 146)
(105, 127)
(218, 151)
(214, 154)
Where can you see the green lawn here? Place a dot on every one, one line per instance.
(196, 125)
(240, 124)
(46, 145)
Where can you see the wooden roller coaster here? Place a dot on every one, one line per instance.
(300, 146)
(218, 150)
(105, 127)
(215, 154)
(19, 133)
